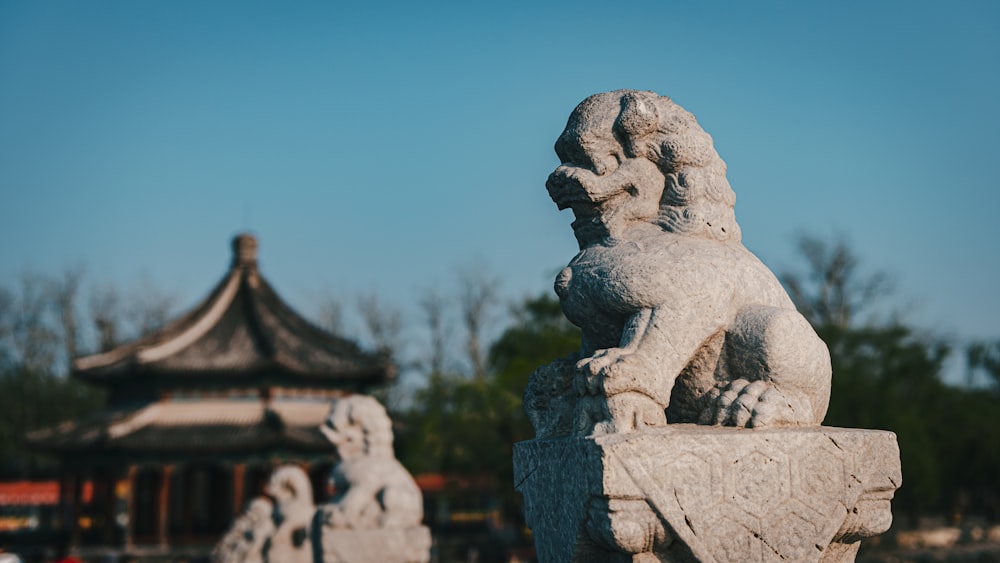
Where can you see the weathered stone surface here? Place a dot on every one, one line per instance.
(695, 493)
(681, 326)
(681, 323)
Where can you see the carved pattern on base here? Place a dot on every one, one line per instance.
(718, 494)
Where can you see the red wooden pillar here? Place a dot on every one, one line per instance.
(130, 506)
(239, 474)
(163, 507)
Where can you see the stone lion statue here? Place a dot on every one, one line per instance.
(680, 322)
(375, 514)
(275, 530)
(371, 488)
(291, 490)
(244, 542)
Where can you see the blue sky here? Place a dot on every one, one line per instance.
(384, 146)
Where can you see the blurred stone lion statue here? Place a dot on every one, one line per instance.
(680, 322)
(244, 542)
(273, 532)
(291, 490)
(371, 488)
(374, 515)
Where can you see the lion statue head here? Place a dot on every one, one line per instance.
(359, 426)
(290, 488)
(634, 157)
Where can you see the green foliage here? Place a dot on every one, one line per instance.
(832, 291)
(888, 376)
(539, 335)
(38, 335)
(465, 425)
(968, 440)
(459, 425)
(985, 357)
(30, 400)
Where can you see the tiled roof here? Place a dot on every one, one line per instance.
(193, 426)
(241, 331)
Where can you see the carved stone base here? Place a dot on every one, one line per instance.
(702, 493)
(388, 545)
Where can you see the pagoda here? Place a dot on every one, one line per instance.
(199, 412)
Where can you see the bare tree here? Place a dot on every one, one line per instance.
(834, 291)
(34, 340)
(6, 327)
(148, 308)
(105, 307)
(119, 317)
(985, 357)
(434, 309)
(330, 315)
(38, 335)
(384, 324)
(64, 292)
(478, 298)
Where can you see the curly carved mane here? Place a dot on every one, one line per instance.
(363, 413)
(697, 199)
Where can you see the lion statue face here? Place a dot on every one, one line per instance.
(289, 486)
(632, 158)
(358, 426)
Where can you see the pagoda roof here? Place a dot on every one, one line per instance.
(192, 427)
(241, 332)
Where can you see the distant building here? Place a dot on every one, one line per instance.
(198, 413)
(27, 505)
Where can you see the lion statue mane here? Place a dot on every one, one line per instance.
(680, 322)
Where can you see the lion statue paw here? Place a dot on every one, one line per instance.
(755, 404)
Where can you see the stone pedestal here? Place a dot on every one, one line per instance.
(701, 493)
(387, 545)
